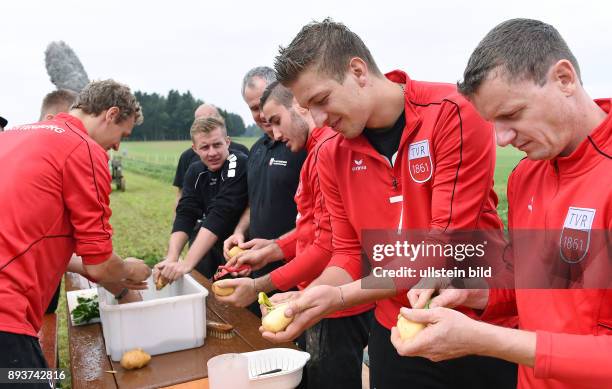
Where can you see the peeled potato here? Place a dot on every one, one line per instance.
(135, 359)
(235, 251)
(407, 328)
(276, 321)
(219, 291)
(161, 282)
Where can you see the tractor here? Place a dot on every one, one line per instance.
(117, 172)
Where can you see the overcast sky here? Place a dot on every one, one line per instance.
(207, 46)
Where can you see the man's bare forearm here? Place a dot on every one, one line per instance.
(243, 224)
(76, 266)
(114, 269)
(512, 345)
(352, 291)
(203, 242)
(177, 242)
(264, 284)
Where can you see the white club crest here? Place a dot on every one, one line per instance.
(419, 161)
(576, 234)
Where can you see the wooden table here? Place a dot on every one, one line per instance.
(91, 368)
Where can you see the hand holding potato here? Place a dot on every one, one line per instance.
(447, 295)
(275, 320)
(172, 270)
(446, 334)
(307, 308)
(257, 254)
(234, 240)
(242, 292)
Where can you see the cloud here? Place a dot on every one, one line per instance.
(207, 47)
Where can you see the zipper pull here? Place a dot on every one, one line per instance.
(394, 183)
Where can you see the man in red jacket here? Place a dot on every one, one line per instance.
(411, 156)
(55, 201)
(336, 343)
(524, 78)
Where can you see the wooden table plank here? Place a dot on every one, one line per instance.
(88, 360)
(183, 366)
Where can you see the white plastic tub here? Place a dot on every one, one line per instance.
(169, 320)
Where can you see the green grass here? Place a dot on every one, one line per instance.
(142, 215)
(142, 218)
(507, 158)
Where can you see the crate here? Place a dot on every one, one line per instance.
(169, 320)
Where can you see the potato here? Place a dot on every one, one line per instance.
(161, 282)
(276, 321)
(135, 359)
(219, 291)
(407, 328)
(235, 251)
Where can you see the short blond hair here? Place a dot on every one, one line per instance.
(99, 96)
(206, 126)
(57, 101)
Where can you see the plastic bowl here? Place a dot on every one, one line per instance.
(291, 362)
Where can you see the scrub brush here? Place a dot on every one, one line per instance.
(219, 330)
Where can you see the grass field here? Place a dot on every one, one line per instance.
(143, 214)
(159, 159)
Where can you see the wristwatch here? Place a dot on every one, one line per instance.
(122, 294)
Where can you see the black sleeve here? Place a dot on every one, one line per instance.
(232, 199)
(181, 169)
(238, 147)
(191, 205)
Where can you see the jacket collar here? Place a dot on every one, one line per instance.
(73, 120)
(360, 144)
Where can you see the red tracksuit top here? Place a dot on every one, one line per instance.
(308, 248)
(442, 178)
(54, 191)
(573, 326)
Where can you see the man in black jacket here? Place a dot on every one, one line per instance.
(214, 189)
(189, 156)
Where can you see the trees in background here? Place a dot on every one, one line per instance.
(170, 117)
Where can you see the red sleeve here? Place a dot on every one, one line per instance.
(303, 268)
(311, 262)
(501, 306)
(287, 244)
(345, 243)
(579, 358)
(464, 148)
(86, 190)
